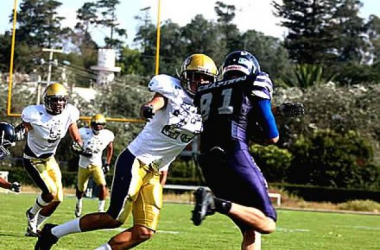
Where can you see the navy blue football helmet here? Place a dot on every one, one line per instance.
(7, 138)
(239, 63)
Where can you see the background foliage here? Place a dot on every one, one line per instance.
(328, 60)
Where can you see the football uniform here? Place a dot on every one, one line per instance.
(157, 145)
(42, 143)
(91, 166)
(228, 108)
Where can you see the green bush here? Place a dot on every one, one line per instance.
(332, 159)
(273, 161)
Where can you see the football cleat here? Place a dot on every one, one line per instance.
(78, 211)
(46, 239)
(31, 230)
(204, 205)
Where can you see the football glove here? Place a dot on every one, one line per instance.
(78, 149)
(256, 133)
(291, 109)
(147, 111)
(106, 168)
(15, 187)
(20, 131)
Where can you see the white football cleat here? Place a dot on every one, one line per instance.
(78, 211)
(31, 230)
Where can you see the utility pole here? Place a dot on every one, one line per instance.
(52, 51)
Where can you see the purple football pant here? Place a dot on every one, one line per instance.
(234, 176)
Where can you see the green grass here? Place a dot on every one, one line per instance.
(296, 229)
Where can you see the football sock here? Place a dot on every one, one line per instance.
(69, 227)
(104, 247)
(101, 205)
(222, 206)
(79, 202)
(38, 205)
(41, 219)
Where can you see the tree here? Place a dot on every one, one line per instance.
(109, 20)
(305, 21)
(146, 36)
(82, 38)
(226, 14)
(373, 31)
(172, 49)
(346, 30)
(325, 32)
(270, 52)
(39, 23)
(202, 36)
(5, 49)
(131, 62)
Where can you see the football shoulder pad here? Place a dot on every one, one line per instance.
(85, 132)
(32, 113)
(109, 135)
(165, 85)
(262, 86)
(73, 112)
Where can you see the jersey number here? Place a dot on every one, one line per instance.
(226, 108)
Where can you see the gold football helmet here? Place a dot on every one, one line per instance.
(197, 69)
(55, 98)
(98, 122)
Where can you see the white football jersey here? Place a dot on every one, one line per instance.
(172, 127)
(48, 130)
(96, 143)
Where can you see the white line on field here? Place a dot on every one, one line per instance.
(288, 230)
(158, 231)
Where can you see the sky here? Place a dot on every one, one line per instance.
(250, 14)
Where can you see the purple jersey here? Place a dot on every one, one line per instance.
(228, 109)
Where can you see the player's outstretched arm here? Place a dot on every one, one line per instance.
(14, 186)
(148, 110)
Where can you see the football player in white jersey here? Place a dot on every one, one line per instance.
(45, 125)
(95, 140)
(173, 122)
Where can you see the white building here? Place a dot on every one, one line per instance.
(106, 66)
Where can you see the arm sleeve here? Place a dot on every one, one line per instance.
(265, 117)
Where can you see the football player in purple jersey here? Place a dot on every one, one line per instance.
(230, 108)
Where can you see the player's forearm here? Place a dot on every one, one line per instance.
(158, 102)
(4, 184)
(109, 154)
(74, 133)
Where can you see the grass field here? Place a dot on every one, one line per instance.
(296, 229)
